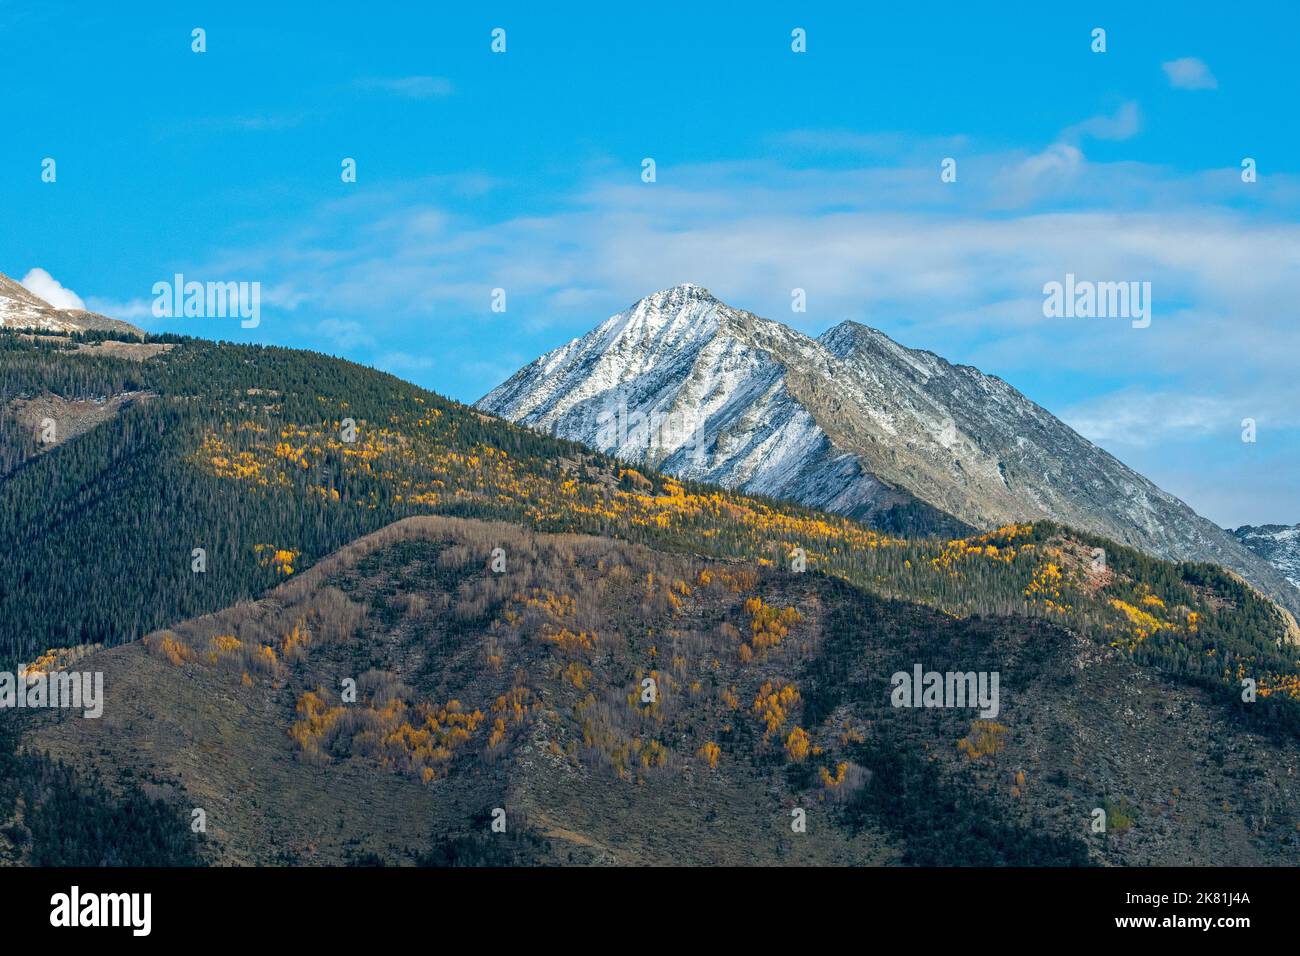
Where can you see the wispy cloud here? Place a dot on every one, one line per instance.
(1189, 73)
(890, 145)
(130, 310)
(1124, 123)
(957, 268)
(1137, 417)
(270, 122)
(862, 241)
(345, 334)
(412, 87)
(400, 363)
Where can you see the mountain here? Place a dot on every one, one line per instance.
(1278, 544)
(850, 422)
(240, 451)
(21, 309)
(227, 551)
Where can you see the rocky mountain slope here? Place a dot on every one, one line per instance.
(1278, 544)
(851, 423)
(21, 309)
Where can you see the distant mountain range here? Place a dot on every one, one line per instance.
(1278, 544)
(23, 309)
(850, 422)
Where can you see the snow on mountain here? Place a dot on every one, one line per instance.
(22, 309)
(850, 422)
(1278, 544)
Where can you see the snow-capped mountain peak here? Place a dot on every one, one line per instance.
(850, 422)
(22, 309)
(1278, 544)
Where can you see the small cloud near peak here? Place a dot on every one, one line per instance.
(43, 285)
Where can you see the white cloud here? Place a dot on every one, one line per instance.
(955, 268)
(345, 333)
(753, 233)
(1189, 73)
(1059, 161)
(40, 283)
(399, 363)
(1138, 418)
(1125, 123)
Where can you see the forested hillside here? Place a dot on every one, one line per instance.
(248, 453)
(615, 704)
(52, 815)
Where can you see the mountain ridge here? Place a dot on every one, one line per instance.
(1278, 544)
(851, 422)
(518, 690)
(21, 309)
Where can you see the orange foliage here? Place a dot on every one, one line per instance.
(986, 739)
(767, 625)
(710, 752)
(796, 745)
(841, 769)
(773, 703)
(169, 647)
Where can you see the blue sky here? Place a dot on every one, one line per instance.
(775, 170)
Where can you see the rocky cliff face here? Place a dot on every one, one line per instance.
(1278, 544)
